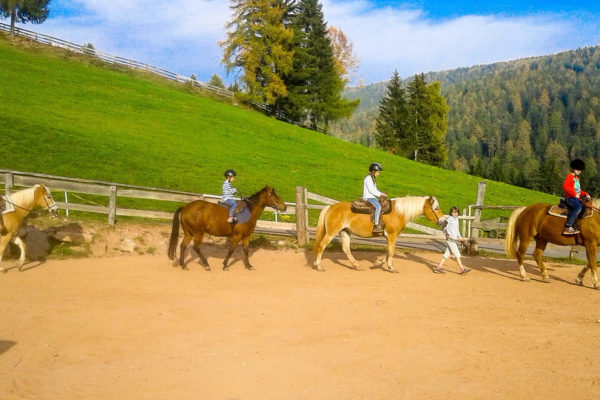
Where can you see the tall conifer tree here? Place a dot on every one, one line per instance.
(314, 83)
(258, 43)
(390, 127)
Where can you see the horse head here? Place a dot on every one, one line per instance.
(270, 198)
(43, 199)
(433, 212)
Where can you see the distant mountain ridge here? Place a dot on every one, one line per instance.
(517, 121)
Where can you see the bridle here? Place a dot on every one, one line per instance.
(433, 212)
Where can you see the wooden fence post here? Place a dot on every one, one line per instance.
(301, 211)
(112, 205)
(9, 182)
(479, 202)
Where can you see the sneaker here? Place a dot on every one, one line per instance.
(569, 230)
(230, 220)
(377, 229)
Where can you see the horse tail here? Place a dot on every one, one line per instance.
(174, 234)
(510, 241)
(320, 229)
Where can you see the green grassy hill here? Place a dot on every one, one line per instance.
(68, 115)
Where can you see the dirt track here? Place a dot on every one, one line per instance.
(134, 327)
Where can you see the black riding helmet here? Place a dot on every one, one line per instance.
(375, 167)
(230, 172)
(578, 164)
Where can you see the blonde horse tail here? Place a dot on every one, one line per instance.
(510, 241)
(320, 229)
(174, 234)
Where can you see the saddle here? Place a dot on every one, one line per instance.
(242, 212)
(561, 210)
(361, 206)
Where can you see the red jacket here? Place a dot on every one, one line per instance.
(569, 186)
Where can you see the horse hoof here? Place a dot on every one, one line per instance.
(597, 286)
(579, 282)
(225, 268)
(545, 280)
(525, 278)
(250, 267)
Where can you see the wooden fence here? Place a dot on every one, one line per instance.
(111, 192)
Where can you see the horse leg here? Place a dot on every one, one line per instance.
(391, 239)
(346, 247)
(540, 246)
(324, 242)
(235, 239)
(4, 240)
(22, 247)
(197, 242)
(246, 248)
(590, 251)
(523, 244)
(187, 238)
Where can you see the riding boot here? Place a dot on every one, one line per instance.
(377, 229)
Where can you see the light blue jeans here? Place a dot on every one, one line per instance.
(377, 206)
(232, 204)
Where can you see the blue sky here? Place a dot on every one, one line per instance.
(412, 37)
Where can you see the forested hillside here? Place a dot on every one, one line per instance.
(518, 122)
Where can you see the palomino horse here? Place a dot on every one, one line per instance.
(339, 218)
(200, 217)
(23, 202)
(534, 222)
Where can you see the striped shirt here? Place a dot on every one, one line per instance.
(228, 191)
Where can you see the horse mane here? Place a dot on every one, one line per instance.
(410, 206)
(22, 195)
(251, 200)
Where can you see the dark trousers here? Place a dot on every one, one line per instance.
(575, 208)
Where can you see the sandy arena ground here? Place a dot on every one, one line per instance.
(135, 327)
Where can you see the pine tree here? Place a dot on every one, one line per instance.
(427, 112)
(390, 126)
(258, 43)
(314, 83)
(35, 11)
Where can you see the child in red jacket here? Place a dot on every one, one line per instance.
(573, 195)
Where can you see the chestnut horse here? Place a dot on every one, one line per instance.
(200, 217)
(23, 202)
(339, 218)
(534, 222)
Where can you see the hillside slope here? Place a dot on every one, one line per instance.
(67, 115)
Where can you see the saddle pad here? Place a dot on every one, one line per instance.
(8, 205)
(564, 212)
(242, 212)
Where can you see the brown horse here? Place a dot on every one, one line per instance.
(534, 222)
(200, 217)
(339, 218)
(23, 202)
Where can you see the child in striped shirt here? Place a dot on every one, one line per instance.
(452, 236)
(228, 192)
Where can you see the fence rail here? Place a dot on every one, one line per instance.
(113, 59)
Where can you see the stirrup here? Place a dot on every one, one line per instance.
(569, 231)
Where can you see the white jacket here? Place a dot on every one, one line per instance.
(370, 188)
